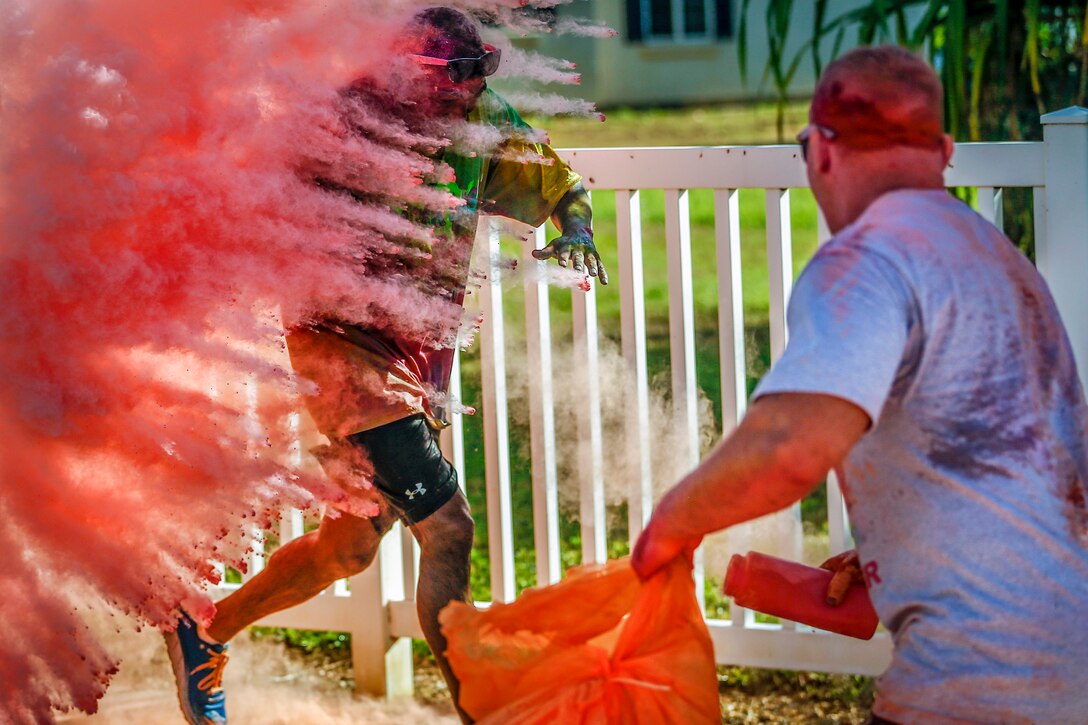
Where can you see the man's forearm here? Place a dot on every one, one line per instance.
(781, 451)
(739, 481)
(573, 211)
(573, 216)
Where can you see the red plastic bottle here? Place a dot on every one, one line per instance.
(797, 592)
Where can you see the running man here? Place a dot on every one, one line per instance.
(376, 390)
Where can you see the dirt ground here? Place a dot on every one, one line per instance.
(270, 683)
(775, 696)
(748, 696)
(266, 683)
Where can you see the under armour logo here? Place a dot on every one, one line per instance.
(412, 494)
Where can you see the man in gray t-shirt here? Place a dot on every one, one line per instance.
(927, 363)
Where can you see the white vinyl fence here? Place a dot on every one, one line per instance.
(377, 607)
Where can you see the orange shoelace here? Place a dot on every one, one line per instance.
(213, 681)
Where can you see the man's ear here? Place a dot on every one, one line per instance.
(948, 147)
(820, 146)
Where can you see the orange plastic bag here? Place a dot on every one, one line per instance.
(598, 647)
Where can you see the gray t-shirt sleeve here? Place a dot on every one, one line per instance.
(849, 321)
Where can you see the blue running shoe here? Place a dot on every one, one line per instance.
(198, 671)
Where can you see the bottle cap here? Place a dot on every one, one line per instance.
(734, 574)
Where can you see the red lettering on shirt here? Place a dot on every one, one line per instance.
(872, 573)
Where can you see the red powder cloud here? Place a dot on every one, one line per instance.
(159, 228)
(156, 234)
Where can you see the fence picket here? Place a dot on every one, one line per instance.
(541, 418)
(990, 205)
(730, 308)
(779, 265)
(500, 536)
(590, 443)
(452, 439)
(780, 282)
(682, 340)
(633, 337)
(1042, 259)
(682, 319)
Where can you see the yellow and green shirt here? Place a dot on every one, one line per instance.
(367, 379)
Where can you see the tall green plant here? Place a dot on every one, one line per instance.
(1003, 62)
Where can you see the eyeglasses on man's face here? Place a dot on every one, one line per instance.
(806, 134)
(464, 69)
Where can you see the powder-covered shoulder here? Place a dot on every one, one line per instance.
(495, 110)
(859, 241)
(860, 256)
(905, 228)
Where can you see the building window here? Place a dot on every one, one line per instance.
(678, 21)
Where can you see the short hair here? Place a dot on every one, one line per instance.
(880, 97)
(445, 32)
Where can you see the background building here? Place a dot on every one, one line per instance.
(673, 52)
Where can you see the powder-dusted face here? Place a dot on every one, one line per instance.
(446, 34)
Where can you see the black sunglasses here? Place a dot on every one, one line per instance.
(806, 134)
(463, 69)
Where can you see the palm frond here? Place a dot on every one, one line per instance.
(742, 41)
(954, 55)
(819, 14)
(1001, 23)
(930, 19)
(983, 38)
(1082, 89)
(1031, 52)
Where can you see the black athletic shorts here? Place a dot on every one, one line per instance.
(409, 469)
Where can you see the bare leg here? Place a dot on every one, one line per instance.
(445, 541)
(301, 569)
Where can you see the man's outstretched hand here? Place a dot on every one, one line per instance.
(656, 548)
(847, 570)
(577, 248)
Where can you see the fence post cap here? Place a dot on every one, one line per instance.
(1068, 116)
